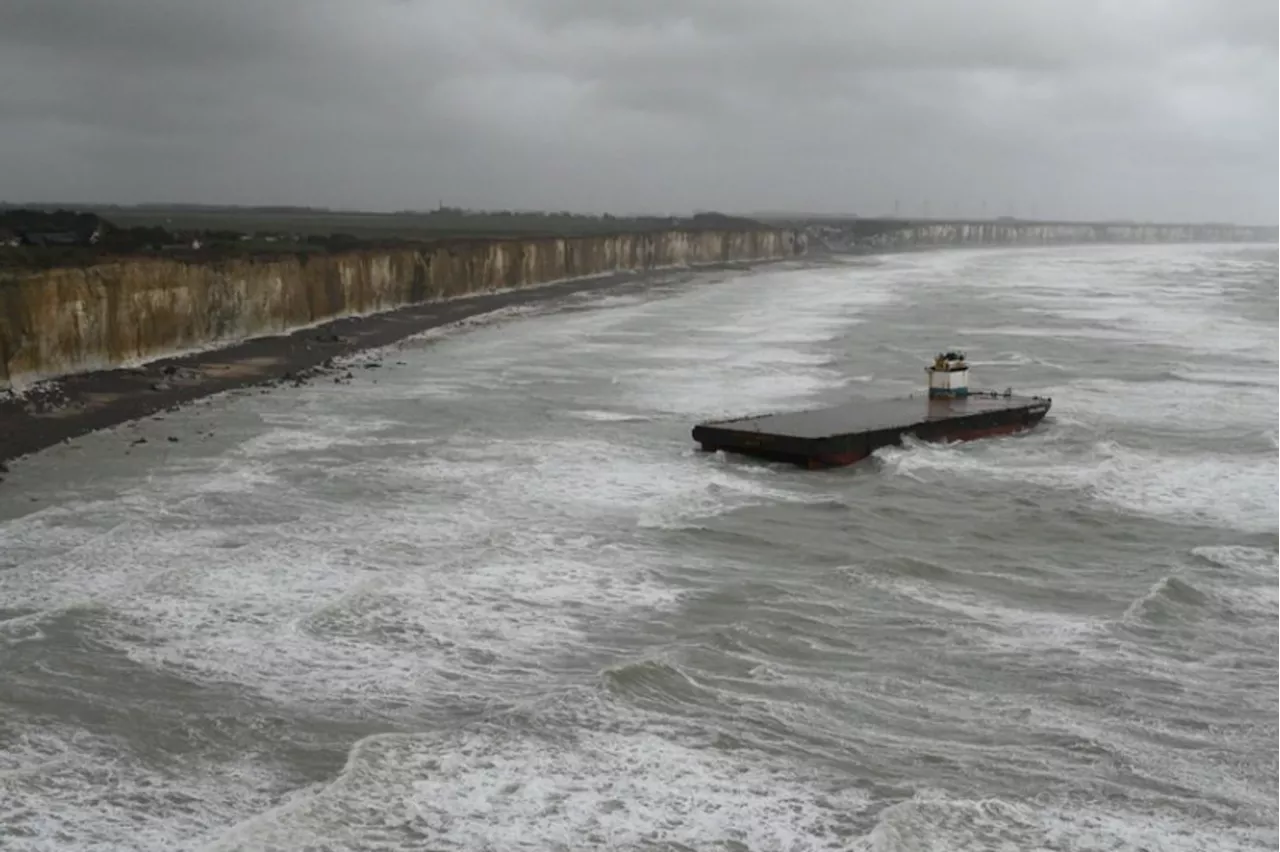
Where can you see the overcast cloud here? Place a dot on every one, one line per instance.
(1082, 109)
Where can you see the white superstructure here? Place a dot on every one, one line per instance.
(948, 375)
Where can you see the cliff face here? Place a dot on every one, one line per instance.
(1046, 234)
(68, 320)
(880, 234)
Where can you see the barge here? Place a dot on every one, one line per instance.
(848, 433)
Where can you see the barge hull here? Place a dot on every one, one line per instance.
(846, 434)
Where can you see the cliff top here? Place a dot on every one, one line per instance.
(37, 238)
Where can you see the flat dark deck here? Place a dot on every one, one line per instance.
(869, 415)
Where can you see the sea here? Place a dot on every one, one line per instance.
(488, 595)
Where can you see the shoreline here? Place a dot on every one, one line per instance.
(59, 409)
(56, 410)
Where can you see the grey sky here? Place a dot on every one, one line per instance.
(1083, 109)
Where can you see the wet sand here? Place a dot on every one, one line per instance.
(62, 409)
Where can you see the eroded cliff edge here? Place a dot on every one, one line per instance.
(69, 320)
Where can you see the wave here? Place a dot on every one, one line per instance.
(658, 681)
(1248, 560)
(64, 787)
(499, 788)
(1212, 489)
(496, 787)
(599, 416)
(933, 821)
(1168, 599)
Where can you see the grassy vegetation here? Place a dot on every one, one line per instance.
(406, 225)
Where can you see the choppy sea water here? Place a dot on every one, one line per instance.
(489, 597)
